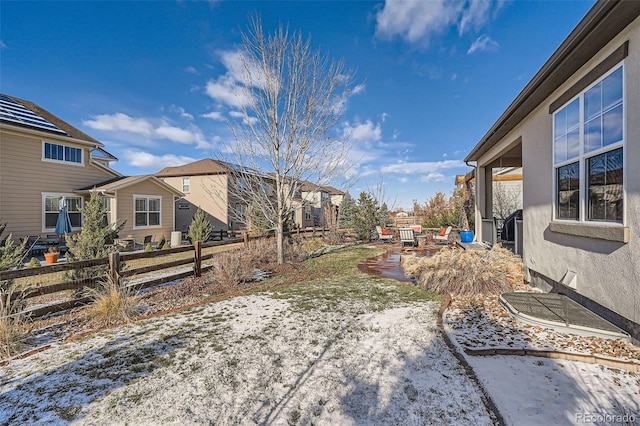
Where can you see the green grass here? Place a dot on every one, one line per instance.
(333, 283)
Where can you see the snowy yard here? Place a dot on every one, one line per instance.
(349, 350)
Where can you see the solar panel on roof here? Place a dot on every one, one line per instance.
(12, 111)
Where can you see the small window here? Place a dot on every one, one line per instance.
(63, 153)
(605, 186)
(568, 191)
(105, 203)
(307, 212)
(185, 185)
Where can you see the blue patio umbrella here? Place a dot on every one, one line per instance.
(63, 225)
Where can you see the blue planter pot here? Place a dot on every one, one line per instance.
(466, 236)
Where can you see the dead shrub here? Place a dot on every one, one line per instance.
(112, 303)
(12, 325)
(466, 272)
(13, 320)
(231, 268)
(262, 252)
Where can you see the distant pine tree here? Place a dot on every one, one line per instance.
(200, 228)
(345, 211)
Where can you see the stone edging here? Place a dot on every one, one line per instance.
(489, 404)
(630, 366)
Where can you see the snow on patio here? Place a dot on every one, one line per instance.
(252, 359)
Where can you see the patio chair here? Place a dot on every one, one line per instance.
(407, 237)
(34, 246)
(443, 237)
(382, 236)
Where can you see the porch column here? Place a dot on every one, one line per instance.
(485, 227)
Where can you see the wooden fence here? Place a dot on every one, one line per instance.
(135, 267)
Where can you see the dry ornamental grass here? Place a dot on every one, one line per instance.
(461, 272)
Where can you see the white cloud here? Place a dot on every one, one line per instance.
(359, 88)
(120, 122)
(2, 45)
(484, 43)
(422, 168)
(432, 177)
(214, 115)
(418, 22)
(363, 132)
(175, 134)
(474, 16)
(224, 89)
(181, 111)
(146, 160)
(192, 70)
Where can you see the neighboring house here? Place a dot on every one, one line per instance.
(207, 184)
(574, 130)
(321, 201)
(45, 161)
(145, 201)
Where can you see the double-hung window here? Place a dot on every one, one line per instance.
(147, 211)
(52, 204)
(186, 186)
(588, 152)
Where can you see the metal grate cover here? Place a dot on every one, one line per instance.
(557, 308)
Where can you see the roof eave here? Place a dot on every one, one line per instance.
(599, 26)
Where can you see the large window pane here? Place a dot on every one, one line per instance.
(568, 182)
(605, 186)
(612, 89)
(566, 132)
(592, 135)
(141, 204)
(154, 204)
(593, 102)
(154, 218)
(141, 219)
(612, 126)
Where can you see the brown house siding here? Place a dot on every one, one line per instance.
(24, 177)
(125, 205)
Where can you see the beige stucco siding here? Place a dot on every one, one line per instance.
(125, 210)
(207, 192)
(24, 177)
(607, 271)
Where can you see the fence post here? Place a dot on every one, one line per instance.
(245, 237)
(197, 267)
(114, 267)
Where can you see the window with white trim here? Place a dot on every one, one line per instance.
(307, 212)
(147, 211)
(105, 205)
(51, 208)
(64, 153)
(185, 185)
(588, 153)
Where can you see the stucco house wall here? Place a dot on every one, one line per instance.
(605, 256)
(209, 192)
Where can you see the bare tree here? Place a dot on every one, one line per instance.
(506, 200)
(291, 99)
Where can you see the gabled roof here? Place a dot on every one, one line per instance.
(307, 186)
(56, 121)
(206, 166)
(601, 24)
(115, 184)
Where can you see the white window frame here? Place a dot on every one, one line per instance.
(186, 185)
(46, 195)
(583, 157)
(63, 161)
(147, 198)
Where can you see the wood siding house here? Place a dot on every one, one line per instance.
(44, 160)
(575, 130)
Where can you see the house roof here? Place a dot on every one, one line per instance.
(307, 186)
(67, 128)
(206, 166)
(599, 26)
(115, 184)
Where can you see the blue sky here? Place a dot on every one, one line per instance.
(151, 80)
